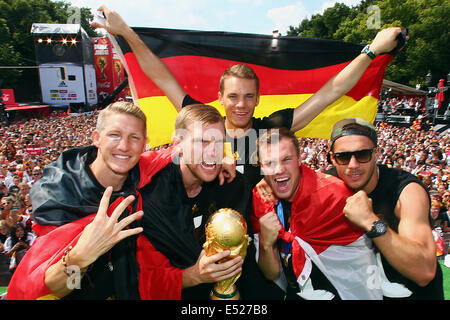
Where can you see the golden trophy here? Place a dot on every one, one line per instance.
(101, 62)
(226, 230)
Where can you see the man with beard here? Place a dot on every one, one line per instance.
(393, 207)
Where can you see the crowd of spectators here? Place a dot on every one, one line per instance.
(415, 108)
(28, 144)
(402, 105)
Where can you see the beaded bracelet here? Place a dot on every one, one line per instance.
(66, 252)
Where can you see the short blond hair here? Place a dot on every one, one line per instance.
(197, 112)
(124, 107)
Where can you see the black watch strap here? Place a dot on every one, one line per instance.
(379, 228)
(367, 51)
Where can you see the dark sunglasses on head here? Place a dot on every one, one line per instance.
(362, 156)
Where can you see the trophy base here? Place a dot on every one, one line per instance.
(219, 296)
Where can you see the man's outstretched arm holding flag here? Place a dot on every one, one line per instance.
(304, 113)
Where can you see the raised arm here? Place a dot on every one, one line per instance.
(152, 66)
(344, 81)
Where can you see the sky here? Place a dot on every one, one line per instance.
(246, 16)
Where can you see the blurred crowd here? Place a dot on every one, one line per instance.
(27, 145)
(402, 105)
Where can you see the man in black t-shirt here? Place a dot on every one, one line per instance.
(393, 207)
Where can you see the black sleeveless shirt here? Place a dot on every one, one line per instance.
(390, 185)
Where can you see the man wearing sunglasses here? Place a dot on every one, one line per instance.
(393, 207)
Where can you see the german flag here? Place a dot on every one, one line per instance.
(290, 69)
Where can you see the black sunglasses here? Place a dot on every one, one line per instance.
(362, 156)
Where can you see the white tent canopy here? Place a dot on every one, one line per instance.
(398, 88)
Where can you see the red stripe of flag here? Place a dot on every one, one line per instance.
(200, 76)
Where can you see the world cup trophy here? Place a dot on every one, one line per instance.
(226, 230)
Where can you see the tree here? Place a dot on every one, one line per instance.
(16, 40)
(427, 23)
(322, 26)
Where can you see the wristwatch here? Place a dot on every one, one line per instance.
(367, 51)
(379, 228)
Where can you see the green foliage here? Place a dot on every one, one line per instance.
(427, 22)
(322, 26)
(16, 41)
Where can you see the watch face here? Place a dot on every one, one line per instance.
(367, 51)
(380, 227)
